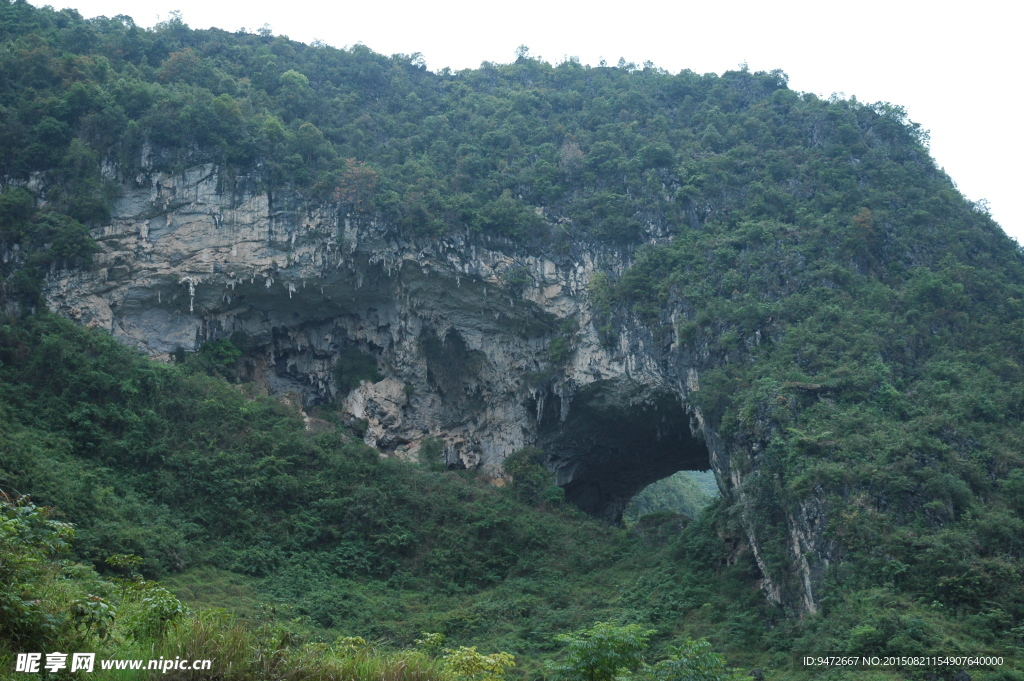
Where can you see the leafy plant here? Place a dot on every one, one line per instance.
(94, 614)
(30, 542)
(467, 663)
(152, 610)
(531, 482)
(603, 652)
(352, 367)
(689, 661)
(430, 642)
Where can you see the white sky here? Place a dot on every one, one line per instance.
(954, 66)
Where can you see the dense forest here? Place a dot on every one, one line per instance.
(864, 326)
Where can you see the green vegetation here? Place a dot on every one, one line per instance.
(51, 604)
(862, 324)
(685, 492)
(46, 238)
(230, 501)
(353, 367)
(602, 653)
(138, 619)
(128, 617)
(216, 358)
(868, 345)
(610, 154)
(608, 651)
(313, 536)
(468, 664)
(28, 537)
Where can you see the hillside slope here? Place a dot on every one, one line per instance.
(636, 271)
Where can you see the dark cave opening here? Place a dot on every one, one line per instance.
(618, 437)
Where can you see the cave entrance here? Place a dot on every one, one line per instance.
(618, 437)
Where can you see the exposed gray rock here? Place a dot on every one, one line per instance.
(461, 343)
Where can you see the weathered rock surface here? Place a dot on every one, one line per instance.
(462, 343)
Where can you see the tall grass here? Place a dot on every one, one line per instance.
(241, 653)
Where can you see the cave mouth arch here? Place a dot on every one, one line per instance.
(618, 437)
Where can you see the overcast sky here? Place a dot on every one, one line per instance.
(954, 66)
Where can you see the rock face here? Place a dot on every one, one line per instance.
(461, 328)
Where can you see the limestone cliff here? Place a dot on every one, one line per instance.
(461, 329)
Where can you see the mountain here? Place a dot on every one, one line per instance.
(616, 273)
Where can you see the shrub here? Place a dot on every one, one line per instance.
(354, 366)
(30, 542)
(604, 652)
(690, 661)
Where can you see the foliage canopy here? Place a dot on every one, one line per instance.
(862, 325)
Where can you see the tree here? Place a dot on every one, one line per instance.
(356, 187)
(691, 661)
(601, 653)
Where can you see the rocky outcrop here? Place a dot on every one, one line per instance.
(461, 329)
